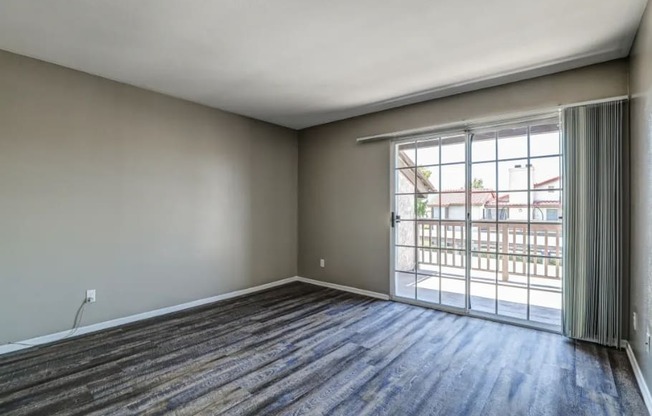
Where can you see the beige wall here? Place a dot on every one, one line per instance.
(344, 195)
(641, 191)
(150, 200)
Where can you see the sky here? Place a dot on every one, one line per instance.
(484, 160)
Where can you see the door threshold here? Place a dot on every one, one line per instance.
(555, 329)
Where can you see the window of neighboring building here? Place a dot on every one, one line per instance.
(552, 214)
(537, 214)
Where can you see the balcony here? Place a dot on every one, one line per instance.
(515, 268)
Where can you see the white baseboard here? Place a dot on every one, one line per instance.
(32, 342)
(343, 288)
(642, 385)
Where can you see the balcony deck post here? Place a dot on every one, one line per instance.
(505, 249)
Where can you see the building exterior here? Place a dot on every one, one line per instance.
(543, 199)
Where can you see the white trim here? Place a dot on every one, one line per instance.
(598, 101)
(32, 342)
(481, 122)
(470, 86)
(19, 345)
(642, 385)
(362, 292)
(478, 315)
(392, 210)
(58, 336)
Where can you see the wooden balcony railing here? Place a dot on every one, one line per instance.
(505, 246)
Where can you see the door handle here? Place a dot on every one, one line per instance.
(395, 218)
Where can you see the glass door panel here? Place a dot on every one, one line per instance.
(430, 229)
(516, 223)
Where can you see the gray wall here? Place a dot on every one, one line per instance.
(641, 191)
(150, 200)
(344, 195)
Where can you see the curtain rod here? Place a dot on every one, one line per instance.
(456, 127)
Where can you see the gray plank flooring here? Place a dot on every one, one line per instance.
(302, 349)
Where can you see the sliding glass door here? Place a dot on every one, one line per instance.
(477, 222)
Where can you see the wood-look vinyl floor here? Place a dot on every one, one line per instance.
(302, 349)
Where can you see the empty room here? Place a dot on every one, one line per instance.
(325, 208)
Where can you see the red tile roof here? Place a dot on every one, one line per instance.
(479, 197)
(547, 181)
(483, 197)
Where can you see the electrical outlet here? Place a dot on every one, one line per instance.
(90, 296)
(322, 263)
(634, 323)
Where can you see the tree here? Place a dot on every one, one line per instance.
(477, 183)
(422, 203)
(422, 207)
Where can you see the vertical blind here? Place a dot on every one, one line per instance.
(593, 230)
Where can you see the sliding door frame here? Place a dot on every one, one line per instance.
(468, 134)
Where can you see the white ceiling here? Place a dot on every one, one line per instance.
(300, 63)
